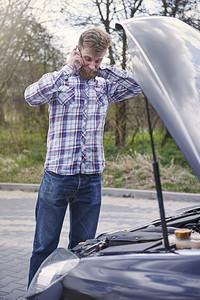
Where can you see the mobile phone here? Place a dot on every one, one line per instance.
(77, 64)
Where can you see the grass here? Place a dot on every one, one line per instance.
(137, 173)
(22, 156)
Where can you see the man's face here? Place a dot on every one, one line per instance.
(92, 62)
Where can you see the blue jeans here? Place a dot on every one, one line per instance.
(83, 193)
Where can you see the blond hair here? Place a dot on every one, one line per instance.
(95, 39)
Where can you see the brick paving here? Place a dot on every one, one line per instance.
(17, 229)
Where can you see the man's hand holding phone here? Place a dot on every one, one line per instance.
(75, 59)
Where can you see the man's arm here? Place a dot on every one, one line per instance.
(121, 85)
(41, 92)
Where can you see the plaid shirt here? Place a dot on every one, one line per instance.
(77, 111)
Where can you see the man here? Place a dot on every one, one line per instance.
(78, 96)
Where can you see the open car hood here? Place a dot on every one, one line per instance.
(166, 64)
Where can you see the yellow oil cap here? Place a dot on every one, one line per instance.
(182, 233)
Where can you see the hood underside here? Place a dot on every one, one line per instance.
(166, 64)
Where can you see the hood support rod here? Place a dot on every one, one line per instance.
(157, 182)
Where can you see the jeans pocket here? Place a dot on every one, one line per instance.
(54, 174)
(54, 189)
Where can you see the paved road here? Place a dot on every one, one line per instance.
(17, 229)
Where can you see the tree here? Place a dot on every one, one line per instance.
(10, 55)
(26, 52)
(185, 10)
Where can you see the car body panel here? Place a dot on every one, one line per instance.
(135, 276)
(130, 264)
(134, 264)
(165, 55)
